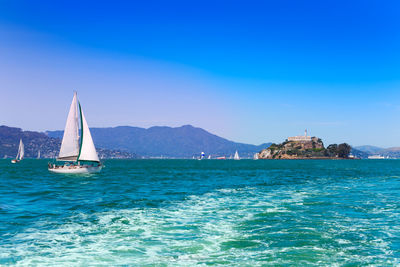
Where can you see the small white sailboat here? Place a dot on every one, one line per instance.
(255, 157)
(209, 157)
(21, 152)
(38, 155)
(202, 155)
(236, 156)
(77, 152)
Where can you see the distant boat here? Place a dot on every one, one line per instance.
(255, 157)
(77, 152)
(38, 155)
(20, 154)
(236, 156)
(202, 156)
(209, 156)
(223, 157)
(376, 157)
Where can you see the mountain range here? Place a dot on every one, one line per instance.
(158, 141)
(162, 141)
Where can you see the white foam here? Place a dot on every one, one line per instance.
(210, 228)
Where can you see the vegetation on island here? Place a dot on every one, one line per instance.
(305, 150)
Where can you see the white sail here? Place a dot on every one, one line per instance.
(70, 143)
(38, 155)
(88, 151)
(236, 157)
(21, 151)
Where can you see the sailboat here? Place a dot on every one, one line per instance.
(255, 157)
(236, 156)
(209, 156)
(202, 155)
(38, 155)
(77, 152)
(20, 154)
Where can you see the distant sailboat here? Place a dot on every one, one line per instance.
(255, 157)
(20, 154)
(38, 155)
(209, 156)
(78, 152)
(202, 155)
(236, 156)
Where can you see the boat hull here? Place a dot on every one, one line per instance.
(14, 161)
(76, 169)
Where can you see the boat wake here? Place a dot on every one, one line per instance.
(251, 226)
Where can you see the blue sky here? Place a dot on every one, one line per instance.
(250, 71)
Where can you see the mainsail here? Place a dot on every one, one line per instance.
(236, 157)
(70, 143)
(87, 151)
(21, 150)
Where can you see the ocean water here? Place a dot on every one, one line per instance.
(210, 212)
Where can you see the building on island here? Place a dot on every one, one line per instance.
(300, 138)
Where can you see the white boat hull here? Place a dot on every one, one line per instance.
(76, 169)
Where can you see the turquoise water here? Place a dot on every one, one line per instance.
(185, 212)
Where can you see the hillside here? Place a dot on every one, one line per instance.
(371, 150)
(35, 141)
(391, 152)
(181, 142)
(359, 153)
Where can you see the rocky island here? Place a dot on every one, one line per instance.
(305, 147)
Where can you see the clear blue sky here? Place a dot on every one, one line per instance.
(250, 71)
